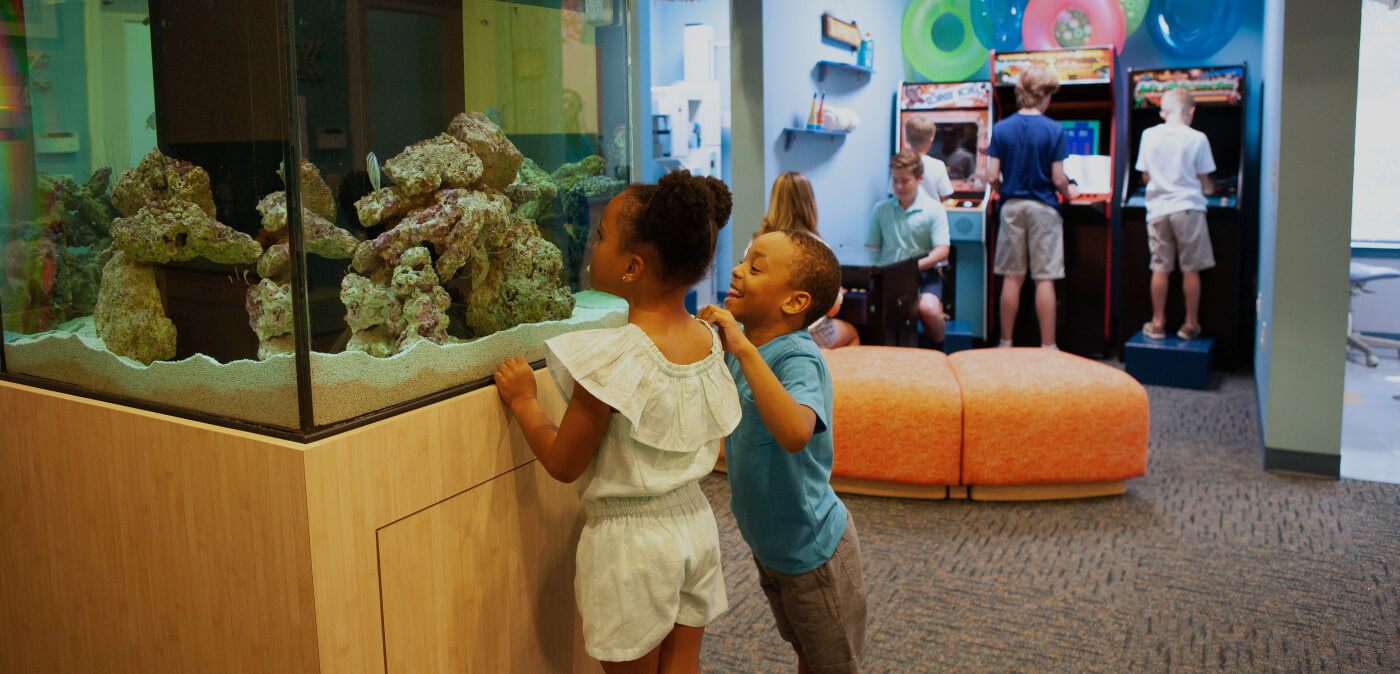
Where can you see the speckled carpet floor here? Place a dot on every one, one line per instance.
(1207, 564)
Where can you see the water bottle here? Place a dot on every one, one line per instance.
(865, 57)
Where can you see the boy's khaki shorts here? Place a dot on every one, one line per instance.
(822, 612)
(1184, 234)
(1031, 229)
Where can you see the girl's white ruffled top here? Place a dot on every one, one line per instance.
(668, 421)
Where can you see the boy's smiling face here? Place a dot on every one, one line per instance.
(760, 287)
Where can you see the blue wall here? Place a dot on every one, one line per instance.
(848, 174)
(1271, 71)
(664, 43)
(64, 107)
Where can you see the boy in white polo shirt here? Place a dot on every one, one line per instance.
(918, 133)
(1176, 164)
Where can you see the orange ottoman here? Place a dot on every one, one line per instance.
(897, 422)
(1045, 424)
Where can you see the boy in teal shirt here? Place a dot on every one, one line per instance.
(779, 458)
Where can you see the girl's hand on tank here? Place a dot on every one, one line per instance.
(731, 336)
(515, 381)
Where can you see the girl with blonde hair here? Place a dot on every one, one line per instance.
(792, 205)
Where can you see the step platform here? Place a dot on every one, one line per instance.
(958, 337)
(1170, 362)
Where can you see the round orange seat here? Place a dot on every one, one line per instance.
(1036, 417)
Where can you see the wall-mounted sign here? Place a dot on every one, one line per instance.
(843, 32)
(1089, 65)
(934, 96)
(1207, 85)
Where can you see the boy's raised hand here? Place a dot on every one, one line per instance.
(730, 334)
(515, 381)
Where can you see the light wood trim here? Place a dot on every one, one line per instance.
(455, 601)
(368, 478)
(847, 485)
(156, 417)
(1049, 492)
(929, 492)
(136, 542)
(958, 492)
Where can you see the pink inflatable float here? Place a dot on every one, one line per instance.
(1055, 24)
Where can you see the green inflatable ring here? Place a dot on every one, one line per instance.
(1134, 11)
(936, 64)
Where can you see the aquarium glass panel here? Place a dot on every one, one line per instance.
(138, 139)
(457, 156)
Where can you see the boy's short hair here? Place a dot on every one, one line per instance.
(908, 160)
(816, 272)
(918, 131)
(1177, 100)
(1035, 84)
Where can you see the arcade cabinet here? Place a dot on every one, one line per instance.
(1227, 291)
(1084, 106)
(961, 113)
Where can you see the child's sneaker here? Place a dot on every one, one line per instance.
(1153, 332)
(1189, 333)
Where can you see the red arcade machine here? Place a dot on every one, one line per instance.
(961, 114)
(1084, 106)
(1227, 297)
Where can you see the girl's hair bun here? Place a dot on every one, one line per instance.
(680, 218)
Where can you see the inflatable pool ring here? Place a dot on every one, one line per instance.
(1134, 11)
(1052, 24)
(997, 23)
(939, 41)
(1192, 29)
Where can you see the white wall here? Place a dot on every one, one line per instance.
(1376, 192)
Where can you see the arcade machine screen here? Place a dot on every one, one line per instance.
(956, 146)
(959, 141)
(1219, 95)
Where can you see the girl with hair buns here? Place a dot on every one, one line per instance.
(792, 205)
(648, 404)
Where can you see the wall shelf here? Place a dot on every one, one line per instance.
(824, 66)
(792, 132)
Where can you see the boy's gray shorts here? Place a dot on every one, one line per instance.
(1031, 229)
(1182, 234)
(822, 612)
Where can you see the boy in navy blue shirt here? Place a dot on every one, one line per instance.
(1025, 162)
(779, 458)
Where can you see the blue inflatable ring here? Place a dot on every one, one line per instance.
(1177, 33)
(998, 23)
(940, 65)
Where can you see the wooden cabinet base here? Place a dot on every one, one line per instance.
(136, 542)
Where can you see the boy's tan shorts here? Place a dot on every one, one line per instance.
(1031, 229)
(822, 612)
(1184, 234)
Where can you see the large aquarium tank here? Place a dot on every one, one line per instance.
(298, 216)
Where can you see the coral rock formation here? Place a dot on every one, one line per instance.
(160, 177)
(452, 225)
(372, 312)
(174, 230)
(524, 284)
(424, 303)
(388, 204)
(130, 318)
(499, 157)
(269, 307)
(439, 162)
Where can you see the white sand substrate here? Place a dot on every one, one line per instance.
(344, 385)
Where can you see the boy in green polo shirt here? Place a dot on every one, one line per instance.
(912, 221)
